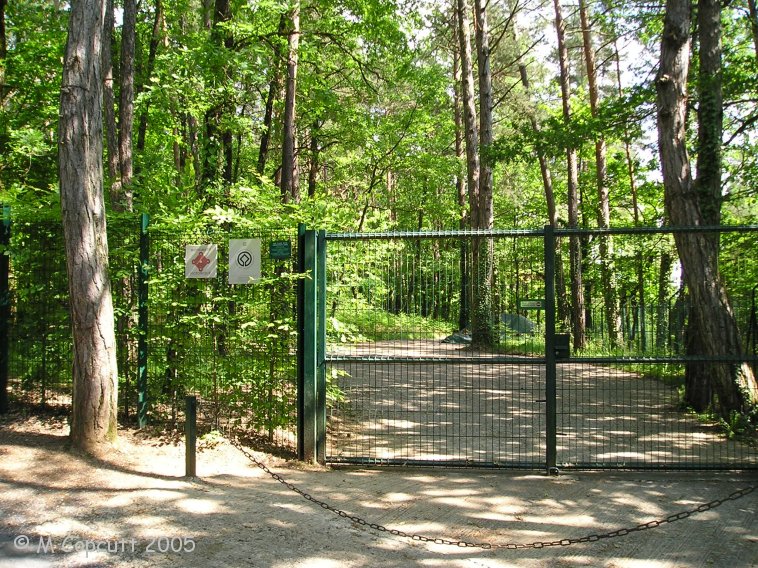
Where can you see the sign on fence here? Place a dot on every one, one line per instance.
(537, 304)
(244, 261)
(200, 261)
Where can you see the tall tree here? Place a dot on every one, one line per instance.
(274, 88)
(109, 106)
(607, 270)
(95, 377)
(290, 189)
(473, 171)
(753, 15)
(460, 178)
(707, 185)
(218, 152)
(484, 252)
(578, 321)
(734, 385)
(3, 49)
(126, 106)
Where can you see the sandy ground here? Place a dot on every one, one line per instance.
(135, 505)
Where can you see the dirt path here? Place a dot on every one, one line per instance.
(236, 515)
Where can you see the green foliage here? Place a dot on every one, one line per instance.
(376, 129)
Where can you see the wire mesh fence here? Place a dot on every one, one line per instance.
(438, 344)
(410, 383)
(232, 345)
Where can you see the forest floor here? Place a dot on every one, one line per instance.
(58, 508)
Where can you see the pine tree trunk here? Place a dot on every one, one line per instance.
(733, 384)
(290, 190)
(460, 185)
(707, 185)
(94, 373)
(109, 107)
(753, 24)
(275, 86)
(483, 331)
(155, 40)
(607, 268)
(578, 318)
(126, 107)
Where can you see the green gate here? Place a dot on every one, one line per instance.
(389, 374)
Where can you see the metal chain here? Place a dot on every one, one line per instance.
(486, 545)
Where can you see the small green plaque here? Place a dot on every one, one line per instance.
(280, 250)
(538, 304)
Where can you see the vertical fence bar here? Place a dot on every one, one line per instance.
(321, 349)
(142, 320)
(5, 308)
(550, 365)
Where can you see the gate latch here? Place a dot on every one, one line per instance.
(562, 346)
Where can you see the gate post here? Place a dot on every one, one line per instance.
(142, 320)
(321, 349)
(5, 307)
(550, 365)
(307, 340)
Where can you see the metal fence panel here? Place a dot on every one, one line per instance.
(406, 385)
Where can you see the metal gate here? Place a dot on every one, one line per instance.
(392, 372)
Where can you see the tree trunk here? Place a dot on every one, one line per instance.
(290, 190)
(155, 40)
(3, 55)
(753, 24)
(218, 154)
(313, 166)
(662, 311)
(607, 268)
(460, 184)
(125, 197)
(109, 106)
(734, 385)
(707, 184)
(478, 320)
(94, 373)
(578, 319)
(483, 332)
(275, 86)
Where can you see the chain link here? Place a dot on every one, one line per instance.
(486, 545)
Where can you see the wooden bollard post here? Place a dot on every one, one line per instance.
(190, 436)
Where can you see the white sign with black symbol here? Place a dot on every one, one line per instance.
(244, 261)
(200, 261)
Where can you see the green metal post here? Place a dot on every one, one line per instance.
(300, 341)
(310, 336)
(5, 308)
(550, 363)
(190, 436)
(321, 348)
(142, 320)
